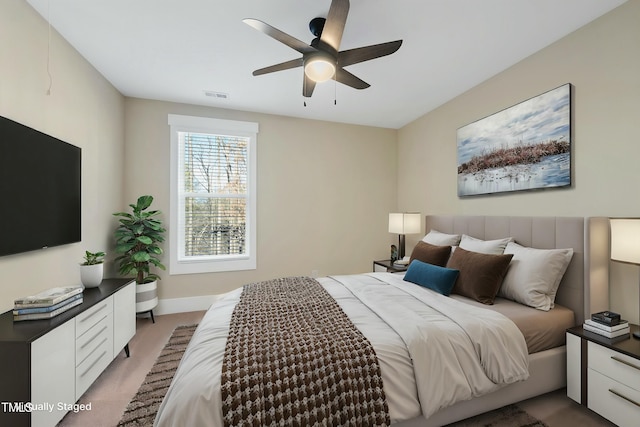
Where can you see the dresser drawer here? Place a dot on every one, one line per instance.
(615, 365)
(614, 401)
(92, 366)
(98, 334)
(85, 320)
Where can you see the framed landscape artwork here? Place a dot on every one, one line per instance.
(524, 147)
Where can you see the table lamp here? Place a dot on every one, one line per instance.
(404, 223)
(625, 244)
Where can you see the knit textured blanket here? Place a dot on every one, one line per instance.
(293, 358)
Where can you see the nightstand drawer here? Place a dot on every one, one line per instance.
(615, 365)
(90, 317)
(614, 401)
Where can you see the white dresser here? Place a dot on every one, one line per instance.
(604, 375)
(51, 363)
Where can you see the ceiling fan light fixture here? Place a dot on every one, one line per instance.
(320, 58)
(319, 69)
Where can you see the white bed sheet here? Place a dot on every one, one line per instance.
(459, 351)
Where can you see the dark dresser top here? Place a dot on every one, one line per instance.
(27, 331)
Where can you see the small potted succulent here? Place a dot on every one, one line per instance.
(92, 269)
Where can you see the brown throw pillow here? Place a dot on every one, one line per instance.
(431, 254)
(480, 274)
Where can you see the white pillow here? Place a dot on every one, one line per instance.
(534, 275)
(492, 247)
(435, 237)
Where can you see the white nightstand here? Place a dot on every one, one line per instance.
(604, 375)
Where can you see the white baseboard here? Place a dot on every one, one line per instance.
(183, 305)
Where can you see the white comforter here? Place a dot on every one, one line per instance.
(433, 350)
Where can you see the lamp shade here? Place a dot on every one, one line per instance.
(319, 69)
(404, 223)
(625, 240)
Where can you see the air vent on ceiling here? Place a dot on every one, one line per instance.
(217, 95)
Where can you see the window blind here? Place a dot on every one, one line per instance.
(213, 194)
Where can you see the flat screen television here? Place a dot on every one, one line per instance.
(40, 186)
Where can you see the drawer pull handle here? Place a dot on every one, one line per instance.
(94, 313)
(624, 362)
(93, 337)
(95, 349)
(94, 363)
(625, 397)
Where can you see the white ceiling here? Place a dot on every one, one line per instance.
(175, 50)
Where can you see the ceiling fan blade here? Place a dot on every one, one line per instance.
(334, 25)
(346, 78)
(308, 86)
(282, 37)
(279, 67)
(361, 54)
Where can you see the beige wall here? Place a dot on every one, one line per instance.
(324, 189)
(602, 62)
(324, 192)
(82, 109)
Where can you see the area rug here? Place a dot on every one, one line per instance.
(142, 409)
(507, 416)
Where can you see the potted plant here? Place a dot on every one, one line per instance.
(137, 241)
(92, 269)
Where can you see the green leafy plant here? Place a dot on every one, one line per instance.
(93, 258)
(137, 239)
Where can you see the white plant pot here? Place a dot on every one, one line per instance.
(146, 296)
(91, 275)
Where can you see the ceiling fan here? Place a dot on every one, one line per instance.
(322, 60)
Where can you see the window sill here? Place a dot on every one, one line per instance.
(195, 267)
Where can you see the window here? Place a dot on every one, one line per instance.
(213, 195)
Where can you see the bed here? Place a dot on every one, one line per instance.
(383, 307)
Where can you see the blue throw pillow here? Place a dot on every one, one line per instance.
(439, 279)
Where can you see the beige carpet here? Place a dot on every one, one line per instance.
(142, 409)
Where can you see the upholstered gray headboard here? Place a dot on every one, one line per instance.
(584, 288)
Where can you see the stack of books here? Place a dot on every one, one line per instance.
(47, 304)
(608, 324)
(401, 263)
